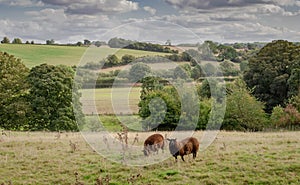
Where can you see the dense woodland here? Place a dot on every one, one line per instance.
(264, 93)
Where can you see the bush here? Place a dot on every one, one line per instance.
(243, 111)
(277, 114)
(290, 118)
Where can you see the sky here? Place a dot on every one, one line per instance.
(181, 21)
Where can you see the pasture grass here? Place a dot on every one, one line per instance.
(110, 100)
(33, 55)
(233, 158)
(112, 123)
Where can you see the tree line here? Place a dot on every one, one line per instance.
(267, 96)
(85, 42)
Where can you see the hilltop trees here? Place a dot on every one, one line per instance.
(50, 42)
(5, 40)
(273, 73)
(150, 47)
(87, 42)
(119, 43)
(17, 41)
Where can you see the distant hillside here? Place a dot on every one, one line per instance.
(33, 55)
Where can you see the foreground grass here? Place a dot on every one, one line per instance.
(233, 158)
(33, 55)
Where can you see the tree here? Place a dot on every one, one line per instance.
(209, 69)
(52, 93)
(159, 106)
(79, 44)
(277, 114)
(243, 111)
(119, 43)
(164, 108)
(228, 69)
(14, 107)
(294, 82)
(244, 66)
(127, 59)
(227, 52)
(112, 60)
(186, 55)
(204, 112)
(86, 42)
(269, 72)
(50, 42)
(138, 71)
(5, 40)
(183, 72)
(211, 45)
(168, 42)
(99, 43)
(207, 50)
(204, 90)
(17, 41)
(196, 72)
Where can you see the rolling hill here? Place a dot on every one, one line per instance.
(33, 55)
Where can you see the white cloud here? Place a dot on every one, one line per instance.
(91, 7)
(152, 11)
(55, 24)
(48, 15)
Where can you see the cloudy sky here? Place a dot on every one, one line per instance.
(69, 21)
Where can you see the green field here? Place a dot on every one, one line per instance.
(233, 158)
(101, 100)
(33, 55)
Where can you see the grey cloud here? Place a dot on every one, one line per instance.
(22, 3)
(212, 4)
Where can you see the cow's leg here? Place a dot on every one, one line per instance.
(182, 158)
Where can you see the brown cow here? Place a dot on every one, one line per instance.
(153, 143)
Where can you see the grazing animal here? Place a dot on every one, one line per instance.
(153, 143)
(184, 147)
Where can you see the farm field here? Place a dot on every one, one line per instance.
(33, 55)
(233, 158)
(101, 100)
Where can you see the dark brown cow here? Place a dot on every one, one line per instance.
(184, 147)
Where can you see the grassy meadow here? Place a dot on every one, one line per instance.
(33, 55)
(233, 158)
(101, 100)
